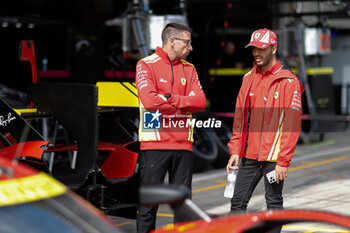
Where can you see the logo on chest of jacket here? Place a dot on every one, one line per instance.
(183, 81)
(162, 80)
(275, 95)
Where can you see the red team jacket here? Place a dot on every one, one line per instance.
(275, 134)
(156, 75)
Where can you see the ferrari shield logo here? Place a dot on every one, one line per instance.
(183, 81)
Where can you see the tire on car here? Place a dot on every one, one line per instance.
(205, 150)
(221, 137)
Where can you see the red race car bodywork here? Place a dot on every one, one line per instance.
(257, 222)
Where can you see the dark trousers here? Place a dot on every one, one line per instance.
(249, 174)
(154, 164)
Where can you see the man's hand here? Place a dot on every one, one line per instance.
(233, 161)
(281, 173)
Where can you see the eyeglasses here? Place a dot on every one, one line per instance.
(188, 42)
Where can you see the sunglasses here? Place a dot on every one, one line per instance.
(188, 42)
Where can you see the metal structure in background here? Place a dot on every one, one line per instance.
(290, 21)
(312, 42)
(302, 69)
(306, 28)
(137, 29)
(142, 29)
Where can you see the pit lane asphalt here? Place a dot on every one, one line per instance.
(319, 179)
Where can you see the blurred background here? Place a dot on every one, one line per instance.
(87, 41)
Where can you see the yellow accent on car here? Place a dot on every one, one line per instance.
(239, 71)
(117, 94)
(186, 226)
(228, 71)
(28, 189)
(25, 110)
(317, 71)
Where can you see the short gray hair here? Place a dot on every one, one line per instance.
(173, 29)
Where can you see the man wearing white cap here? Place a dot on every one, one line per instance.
(267, 124)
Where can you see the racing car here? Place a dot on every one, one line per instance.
(195, 220)
(34, 202)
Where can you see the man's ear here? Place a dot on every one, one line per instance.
(171, 41)
(274, 49)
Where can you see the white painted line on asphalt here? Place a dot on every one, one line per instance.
(222, 173)
(321, 153)
(211, 176)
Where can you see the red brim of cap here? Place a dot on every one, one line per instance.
(258, 44)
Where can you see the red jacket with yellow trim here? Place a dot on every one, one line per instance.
(157, 77)
(280, 117)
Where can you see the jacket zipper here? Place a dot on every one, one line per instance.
(263, 117)
(172, 73)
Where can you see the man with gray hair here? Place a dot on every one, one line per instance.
(169, 92)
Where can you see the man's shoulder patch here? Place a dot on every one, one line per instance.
(151, 58)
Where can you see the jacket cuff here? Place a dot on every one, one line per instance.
(283, 163)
